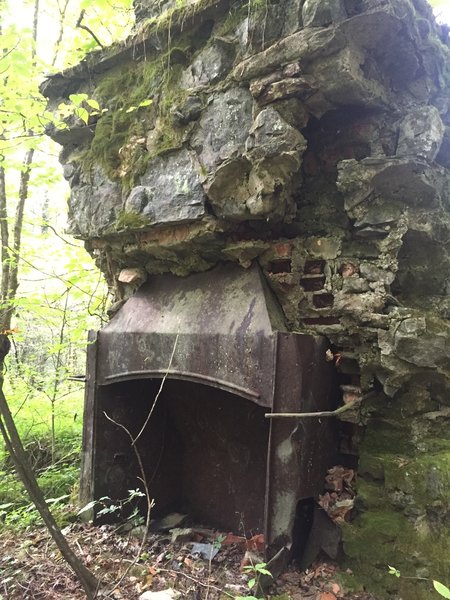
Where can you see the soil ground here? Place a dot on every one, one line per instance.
(31, 568)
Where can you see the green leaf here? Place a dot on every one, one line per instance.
(83, 114)
(87, 507)
(252, 582)
(57, 500)
(145, 102)
(263, 571)
(77, 99)
(93, 103)
(393, 571)
(441, 589)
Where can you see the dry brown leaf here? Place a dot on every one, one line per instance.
(327, 596)
(256, 543)
(336, 588)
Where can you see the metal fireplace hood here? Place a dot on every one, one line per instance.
(219, 326)
(221, 329)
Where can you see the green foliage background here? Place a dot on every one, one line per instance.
(61, 292)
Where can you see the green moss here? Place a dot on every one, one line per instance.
(131, 220)
(387, 436)
(372, 466)
(236, 15)
(174, 17)
(379, 538)
(426, 476)
(404, 503)
(120, 91)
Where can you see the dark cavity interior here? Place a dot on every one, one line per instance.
(204, 451)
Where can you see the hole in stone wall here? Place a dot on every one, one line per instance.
(323, 300)
(348, 453)
(314, 267)
(312, 283)
(340, 134)
(280, 266)
(202, 34)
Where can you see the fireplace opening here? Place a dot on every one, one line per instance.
(204, 451)
(208, 449)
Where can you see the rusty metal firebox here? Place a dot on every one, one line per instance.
(208, 449)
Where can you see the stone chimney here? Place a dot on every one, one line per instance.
(310, 137)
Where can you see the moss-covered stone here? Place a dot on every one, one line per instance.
(403, 511)
(382, 537)
(120, 94)
(131, 220)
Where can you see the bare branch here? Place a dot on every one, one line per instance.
(308, 415)
(45, 223)
(86, 28)
(159, 391)
(150, 502)
(62, 15)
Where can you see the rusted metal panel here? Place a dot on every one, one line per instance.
(216, 325)
(207, 449)
(89, 441)
(300, 450)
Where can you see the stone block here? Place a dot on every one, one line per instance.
(421, 133)
(211, 64)
(223, 127)
(321, 13)
(170, 191)
(90, 219)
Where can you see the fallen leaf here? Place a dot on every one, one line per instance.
(147, 583)
(327, 596)
(336, 588)
(230, 538)
(256, 543)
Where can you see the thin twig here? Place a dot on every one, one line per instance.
(143, 478)
(306, 415)
(159, 391)
(86, 28)
(150, 503)
(60, 236)
(198, 581)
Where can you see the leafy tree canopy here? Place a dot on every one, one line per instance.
(32, 46)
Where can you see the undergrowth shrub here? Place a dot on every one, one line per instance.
(58, 480)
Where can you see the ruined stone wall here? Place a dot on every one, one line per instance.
(313, 137)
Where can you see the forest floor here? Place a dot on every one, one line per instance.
(31, 568)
